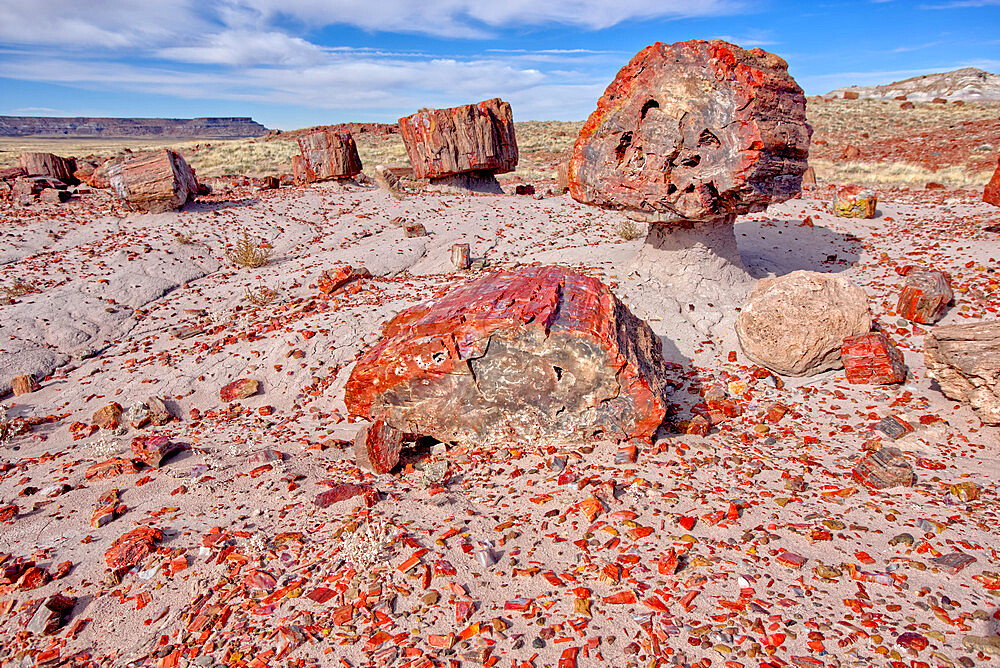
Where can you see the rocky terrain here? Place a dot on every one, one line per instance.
(968, 84)
(184, 393)
(174, 128)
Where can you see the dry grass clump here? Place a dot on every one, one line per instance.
(183, 238)
(248, 254)
(261, 295)
(896, 174)
(246, 157)
(18, 289)
(628, 230)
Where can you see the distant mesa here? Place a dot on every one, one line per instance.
(175, 128)
(968, 85)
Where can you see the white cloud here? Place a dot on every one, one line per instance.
(242, 48)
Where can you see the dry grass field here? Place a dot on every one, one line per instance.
(949, 144)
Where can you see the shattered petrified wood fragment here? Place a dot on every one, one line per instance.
(158, 182)
(377, 447)
(883, 469)
(854, 202)
(154, 450)
(925, 297)
(131, 549)
(873, 359)
(108, 416)
(327, 155)
(539, 352)
(239, 389)
(965, 361)
(331, 281)
(475, 139)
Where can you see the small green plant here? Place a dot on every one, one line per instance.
(248, 254)
(628, 230)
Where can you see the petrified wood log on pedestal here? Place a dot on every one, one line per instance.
(965, 361)
(327, 155)
(48, 164)
(474, 139)
(537, 353)
(156, 182)
(693, 131)
(687, 137)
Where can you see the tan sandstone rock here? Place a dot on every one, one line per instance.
(795, 324)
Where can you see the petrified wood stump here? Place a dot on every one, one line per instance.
(965, 361)
(925, 297)
(537, 353)
(327, 155)
(156, 182)
(48, 164)
(854, 202)
(687, 137)
(476, 140)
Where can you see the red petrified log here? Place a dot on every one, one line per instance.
(161, 181)
(925, 297)
(991, 195)
(48, 164)
(326, 155)
(132, 548)
(694, 131)
(470, 138)
(113, 467)
(872, 358)
(339, 493)
(331, 282)
(541, 352)
(24, 384)
(377, 447)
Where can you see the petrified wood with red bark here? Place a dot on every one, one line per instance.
(327, 155)
(470, 138)
(156, 182)
(925, 297)
(873, 359)
(693, 131)
(48, 164)
(991, 194)
(541, 352)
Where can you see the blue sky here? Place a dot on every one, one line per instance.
(295, 63)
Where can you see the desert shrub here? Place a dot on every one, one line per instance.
(261, 295)
(628, 230)
(248, 254)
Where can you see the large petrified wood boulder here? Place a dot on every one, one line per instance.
(474, 139)
(796, 324)
(326, 155)
(965, 361)
(48, 164)
(156, 182)
(693, 131)
(687, 137)
(541, 352)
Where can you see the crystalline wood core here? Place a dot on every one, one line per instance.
(540, 352)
